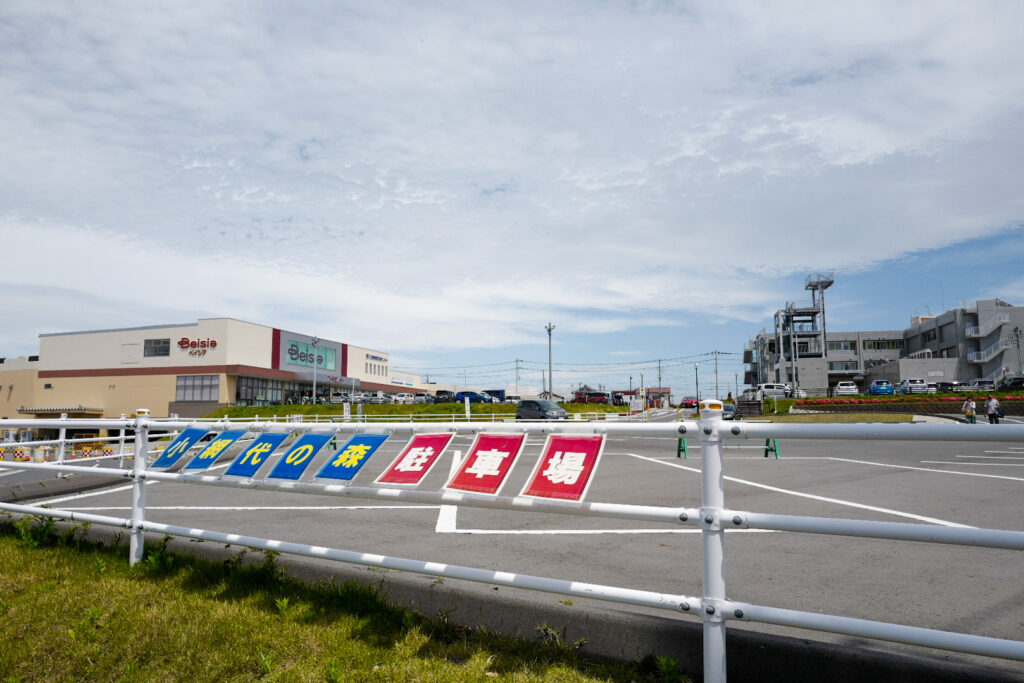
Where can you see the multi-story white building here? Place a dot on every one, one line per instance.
(187, 369)
(981, 340)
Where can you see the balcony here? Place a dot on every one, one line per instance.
(992, 323)
(988, 354)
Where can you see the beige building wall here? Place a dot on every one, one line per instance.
(368, 365)
(17, 387)
(249, 345)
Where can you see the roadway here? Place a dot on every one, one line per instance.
(943, 587)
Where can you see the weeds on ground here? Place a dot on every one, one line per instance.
(74, 609)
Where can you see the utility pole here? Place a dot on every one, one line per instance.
(517, 375)
(718, 394)
(1020, 367)
(696, 380)
(551, 375)
(315, 340)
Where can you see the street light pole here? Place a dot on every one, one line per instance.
(315, 340)
(551, 376)
(696, 380)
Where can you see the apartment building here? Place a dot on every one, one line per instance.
(979, 340)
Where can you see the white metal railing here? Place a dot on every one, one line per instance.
(457, 416)
(998, 373)
(991, 352)
(989, 325)
(713, 517)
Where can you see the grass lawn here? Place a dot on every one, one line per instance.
(477, 410)
(74, 610)
(837, 417)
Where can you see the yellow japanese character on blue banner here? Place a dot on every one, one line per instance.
(347, 462)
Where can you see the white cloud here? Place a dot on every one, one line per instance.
(423, 176)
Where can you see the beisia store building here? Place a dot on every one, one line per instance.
(189, 370)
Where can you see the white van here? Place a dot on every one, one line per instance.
(769, 390)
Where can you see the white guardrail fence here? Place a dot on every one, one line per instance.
(558, 484)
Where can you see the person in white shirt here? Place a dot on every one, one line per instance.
(968, 410)
(992, 408)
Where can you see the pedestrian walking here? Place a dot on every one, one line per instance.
(968, 409)
(992, 408)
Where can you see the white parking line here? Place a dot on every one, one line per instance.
(237, 508)
(993, 457)
(848, 503)
(930, 469)
(972, 464)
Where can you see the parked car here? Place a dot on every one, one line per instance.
(769, 390)
(949, 386)
(1012, 384)
(538, 409)
(846, 388)
(512, 399)
(339, 397)
(688, 402)
(982, 385)
(444, 396)
(933, 388)
(731, 412)
(423, 397)
(473, 396)
(404, 398)
(912, 386)
(881, 387)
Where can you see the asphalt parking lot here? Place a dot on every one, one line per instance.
(951, 588)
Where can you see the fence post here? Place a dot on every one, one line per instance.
(135, 547)
(713, 536)
(120, 444)
(63, 435)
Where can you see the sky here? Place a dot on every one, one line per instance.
(442, 180)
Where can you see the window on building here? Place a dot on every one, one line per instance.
(156, 347)
(883, 344)
(198, 388)
(842, 366)
(928, 336)
(847, 345)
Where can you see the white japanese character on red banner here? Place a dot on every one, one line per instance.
(487, 463)
(564, 468)
(415, 460)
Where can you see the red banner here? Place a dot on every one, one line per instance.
(489, 461)
(415, 460)
(566, 467)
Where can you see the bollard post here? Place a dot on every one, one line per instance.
(713, 537)
(135, 548)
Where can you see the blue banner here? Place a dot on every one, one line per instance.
(346, 463)
(214, 450)
(186, 440)
(298, 457)
(250, 459)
